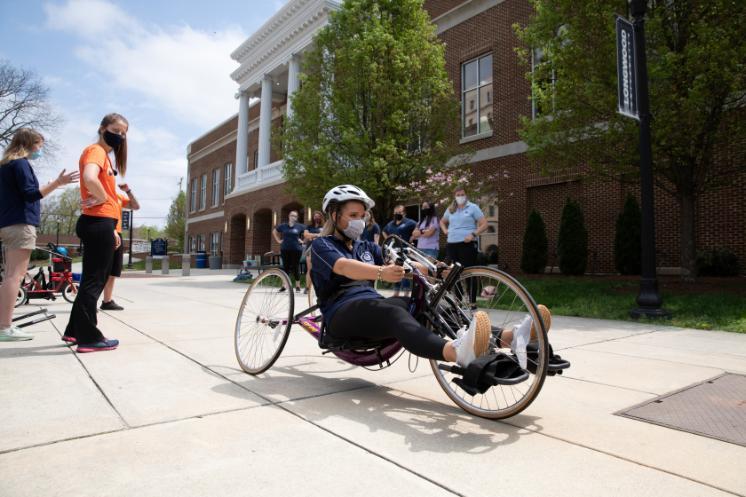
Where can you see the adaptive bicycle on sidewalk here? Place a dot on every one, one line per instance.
(57, 280)
(495, 386)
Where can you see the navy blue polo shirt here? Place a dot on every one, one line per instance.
(19, 194)
(324, 253)
(291, 236)
(403, 230)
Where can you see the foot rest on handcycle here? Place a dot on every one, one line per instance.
(555, 365)
(486, 372)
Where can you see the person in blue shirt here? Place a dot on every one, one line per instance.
(372, 231)
(289, 236)
(343, 270)
(313, 231)
(20, 214)
(463, 222)
(403, 227)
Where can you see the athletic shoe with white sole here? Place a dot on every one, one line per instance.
(525, 332)
(475, 341)
(14, 334)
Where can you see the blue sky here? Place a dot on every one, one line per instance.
(163, 65)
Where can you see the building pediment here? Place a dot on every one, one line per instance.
(288, 32)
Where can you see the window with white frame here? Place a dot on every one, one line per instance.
(228, 179)
(191, 244)
(203, 193)
(256, 158)
(476, 96)
(215, 187)
(200, 243)
(543, 82)
(193, 196)
(215, 239)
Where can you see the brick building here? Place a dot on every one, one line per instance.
(236, 191)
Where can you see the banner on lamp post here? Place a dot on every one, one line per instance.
(626, 68)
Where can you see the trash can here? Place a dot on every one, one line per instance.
(216, 262)
(200, 260)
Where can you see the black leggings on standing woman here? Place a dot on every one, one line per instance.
(386, 318)
(291, 263)
(97, 235)
(465, 254)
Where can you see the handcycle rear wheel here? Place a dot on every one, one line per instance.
(264, 321)
(507, 302)
(70, 291)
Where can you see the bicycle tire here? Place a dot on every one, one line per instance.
(69, 291)
(264, 321)
(514, 302)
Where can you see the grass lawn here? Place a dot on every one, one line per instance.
(709, 303)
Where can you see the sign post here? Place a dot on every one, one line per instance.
(634, 102)
(127, 224)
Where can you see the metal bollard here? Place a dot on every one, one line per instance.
(186, 264)
(164, 264)
(148, 264)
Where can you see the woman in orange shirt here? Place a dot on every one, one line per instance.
(100, 164)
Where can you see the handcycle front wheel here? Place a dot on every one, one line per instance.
(507, 303)
(264, 321)
(22, 297)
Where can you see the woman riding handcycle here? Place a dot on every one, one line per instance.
(498, 343)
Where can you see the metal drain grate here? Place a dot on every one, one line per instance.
(715, 408)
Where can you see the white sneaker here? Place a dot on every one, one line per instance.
(521, 337)
(475, 342)
(14, 334)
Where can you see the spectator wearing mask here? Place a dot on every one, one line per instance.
(427, 232)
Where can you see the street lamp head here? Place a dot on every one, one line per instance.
(638, 7)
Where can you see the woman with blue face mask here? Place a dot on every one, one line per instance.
(20, 215)
(343, 270)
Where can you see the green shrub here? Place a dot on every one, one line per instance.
(572, 242)
(627, 251)
(717, 262)
(38, 255)
(535, 245)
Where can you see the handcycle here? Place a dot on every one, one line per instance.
(444, 301)
(58, 279)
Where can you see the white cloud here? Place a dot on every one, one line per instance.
(180, 69)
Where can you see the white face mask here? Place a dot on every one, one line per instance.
(460, 199)
(354, 229)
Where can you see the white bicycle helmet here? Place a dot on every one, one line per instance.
(343, 193)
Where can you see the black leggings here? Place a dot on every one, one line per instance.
(466, 255)
(291, 263)
(386, 318)
(97, 235)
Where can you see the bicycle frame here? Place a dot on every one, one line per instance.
(422, 308)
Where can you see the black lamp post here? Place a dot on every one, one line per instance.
(648, 300)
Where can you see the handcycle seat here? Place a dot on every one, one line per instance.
(332, 343)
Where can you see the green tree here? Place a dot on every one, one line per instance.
(374, 104)
(61, 209)
(176, 220)
(535, 245)
(696, 59)
(572, 241)
(627, 251)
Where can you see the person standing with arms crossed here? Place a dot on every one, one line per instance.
(96, 228)
(290, 247)
(20, 214)
(402, 227)
(127, 201)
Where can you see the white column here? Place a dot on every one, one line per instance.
(242, 139)
(293, 81)
(265, 121)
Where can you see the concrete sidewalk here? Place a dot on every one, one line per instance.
(170, 413)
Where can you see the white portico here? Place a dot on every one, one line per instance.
(270, 65)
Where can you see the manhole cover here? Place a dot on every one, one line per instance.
(715, 408)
